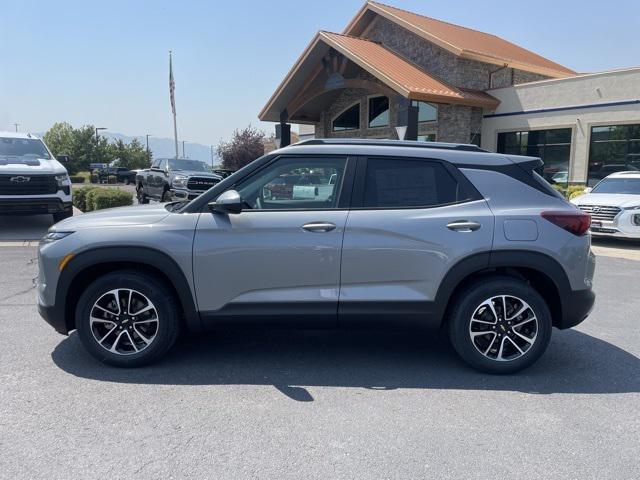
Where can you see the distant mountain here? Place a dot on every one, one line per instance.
(165, 147)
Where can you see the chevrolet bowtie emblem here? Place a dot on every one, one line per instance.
(20, 179)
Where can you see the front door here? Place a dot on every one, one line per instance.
(279, 259)
(411, 221)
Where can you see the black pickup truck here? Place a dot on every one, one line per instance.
(171, 179)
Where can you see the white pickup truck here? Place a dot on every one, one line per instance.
(32, 180)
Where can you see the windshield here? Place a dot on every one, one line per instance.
(193, 165)
(23, 147)
(618, 185)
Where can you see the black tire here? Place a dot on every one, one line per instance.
(141, 196)
(468, 303)
(127, 181)
(166, 196)
(59, 216)
(164, 302)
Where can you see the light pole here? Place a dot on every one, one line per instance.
(183, 142)
(16, 125)
(97, 138)
(212, 157)
(148, 153)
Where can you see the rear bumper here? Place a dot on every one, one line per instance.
(32, 206)
(576, 306)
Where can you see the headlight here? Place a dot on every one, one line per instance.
(180, 181)
(63, 180)
(54, 236)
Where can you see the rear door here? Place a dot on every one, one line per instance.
(411, 221)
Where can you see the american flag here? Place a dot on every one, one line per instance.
(172, 86)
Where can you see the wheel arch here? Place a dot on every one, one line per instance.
(541, 271)
(87, 266)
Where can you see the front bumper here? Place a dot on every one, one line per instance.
(180, 194)
(625, 225)
(54, 317)
(32, 206)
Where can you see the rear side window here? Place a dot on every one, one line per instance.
(396, 183)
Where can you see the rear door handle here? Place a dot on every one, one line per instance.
(464, 226)
(319, 227)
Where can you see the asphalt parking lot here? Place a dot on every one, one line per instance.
(320, 404)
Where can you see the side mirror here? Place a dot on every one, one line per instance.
(63, 158)
(228, 202)
(587, 190)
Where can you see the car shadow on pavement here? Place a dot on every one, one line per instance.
(291, 360)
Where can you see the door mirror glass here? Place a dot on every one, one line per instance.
(63, 158)
(229, 202)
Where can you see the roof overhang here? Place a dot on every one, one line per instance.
(395, 73)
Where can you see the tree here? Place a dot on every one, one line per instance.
(79, 143)
(245, 146)
(129, 155)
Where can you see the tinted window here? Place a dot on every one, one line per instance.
(348, 120)
(183, 164)
(288, 183)
(163, 164)
(618, 185)
(393, 183)
(613, 148)
(22, 147)
(427, 112)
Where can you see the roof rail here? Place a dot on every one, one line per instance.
(392, 143)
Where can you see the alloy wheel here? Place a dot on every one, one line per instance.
(503, 328)
(124, 321)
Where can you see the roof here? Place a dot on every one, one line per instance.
(461, 41)
(16, 135)
(399, 74)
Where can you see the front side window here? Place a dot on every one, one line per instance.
(552, 146)
(613, 148)
(295, 183)
(378, 112)
(396, 183)
(23, 147)
(348, 120)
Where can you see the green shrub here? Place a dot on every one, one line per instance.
(80, 197)
(85, 175)
(108, 198)
(76, 179)
(569, 191)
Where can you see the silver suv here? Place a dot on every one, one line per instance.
(327, 234)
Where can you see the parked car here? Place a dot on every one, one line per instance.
(32, 180)
(614, 205)
(413, 234)
(107, 174)
(174, 179)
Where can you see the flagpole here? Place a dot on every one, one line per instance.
(173, 103)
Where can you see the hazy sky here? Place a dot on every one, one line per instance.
(106, 62)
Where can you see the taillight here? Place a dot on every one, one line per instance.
(577, 223)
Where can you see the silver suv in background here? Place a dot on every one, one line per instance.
(32, 180)
(332, 233)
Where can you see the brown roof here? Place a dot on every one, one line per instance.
(463, 41)
(401, 75)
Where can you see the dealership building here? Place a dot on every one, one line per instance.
(397, 74)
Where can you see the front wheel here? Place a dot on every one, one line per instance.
(127, 319)
(500, 325)
(141, 196)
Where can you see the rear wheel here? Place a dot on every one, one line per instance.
(500, 325)
(141, 196)
(127, 319)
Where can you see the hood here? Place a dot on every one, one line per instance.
(30, 166)
(621, 200)
(122, 216)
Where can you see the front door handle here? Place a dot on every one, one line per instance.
(319, 227)
(464, 226)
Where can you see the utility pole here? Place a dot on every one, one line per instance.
(183, 155)
(16, 125)
(212, 156)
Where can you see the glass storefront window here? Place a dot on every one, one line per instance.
(427, 112)
(613, 148)
(429, 137)
(552, 146)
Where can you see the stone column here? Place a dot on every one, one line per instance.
(407, 119)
